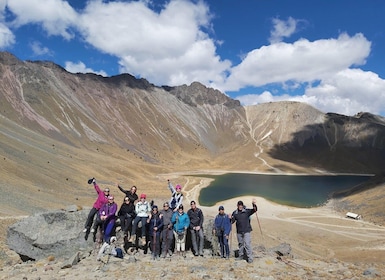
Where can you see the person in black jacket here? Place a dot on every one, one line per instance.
(242, 218)
(196, 228)
(126, 215)
(131, 194)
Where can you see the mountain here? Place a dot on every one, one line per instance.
(57, 129)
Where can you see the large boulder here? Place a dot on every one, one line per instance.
(56, 233)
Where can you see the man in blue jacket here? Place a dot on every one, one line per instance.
(222, 228)
(242, 218)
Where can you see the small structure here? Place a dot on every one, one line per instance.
(353, 216)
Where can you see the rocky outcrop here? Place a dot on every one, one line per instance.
(55, 233)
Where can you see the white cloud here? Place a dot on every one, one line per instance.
(282, 29)
(55, 16)
(302, 61)
(7, 38)
(168, 47)
(39, 50)
(347, 92)
(80, 67)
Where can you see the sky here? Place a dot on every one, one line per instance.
(327, 53)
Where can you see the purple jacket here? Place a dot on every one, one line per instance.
(109, 210)
(101, 200)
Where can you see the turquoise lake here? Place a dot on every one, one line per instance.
(292, 190)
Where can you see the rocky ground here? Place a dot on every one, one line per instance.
(266, 265)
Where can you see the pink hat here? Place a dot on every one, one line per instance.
(142, 195)
(178, 187)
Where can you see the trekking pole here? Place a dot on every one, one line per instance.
(259, 224)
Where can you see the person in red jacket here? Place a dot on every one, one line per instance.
(100, 201)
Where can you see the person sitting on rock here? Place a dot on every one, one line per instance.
(142, 209)
(156, 227)
(131, 194)
(100, 201)
(108, 217)
(126, 215)
(181, 222)
(222, 229)
(176, 196)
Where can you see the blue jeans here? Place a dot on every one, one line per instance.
(224, 244)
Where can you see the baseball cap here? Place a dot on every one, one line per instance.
(221, 208)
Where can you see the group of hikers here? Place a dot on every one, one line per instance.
(165, 230)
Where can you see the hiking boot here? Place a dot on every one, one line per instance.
(85, 230)
(92, 230)
(250, 261)
(132, 238)
(170, 252)
(240, 258)
(144, 241)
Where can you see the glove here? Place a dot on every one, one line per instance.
(90, 181)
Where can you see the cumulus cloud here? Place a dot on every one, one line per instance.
(347, 92)
(165, 47)
(38, 49)
(282, 29)
(7, 38)
(80, 67)
(55, 16)
(301, 61)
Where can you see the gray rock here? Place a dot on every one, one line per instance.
(57, 233)
(72, 261)
(283, 249)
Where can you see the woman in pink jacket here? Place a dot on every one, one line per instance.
(100, 201)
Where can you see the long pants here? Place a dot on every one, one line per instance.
(167, 238)
(108, 227)
(244, 244)
(155, 243)
(136, 222)
(224, 244)
(180, 241)
(126, 223)
(195, 234)
(90, 218)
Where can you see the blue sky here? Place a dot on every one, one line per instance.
(327, 53)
